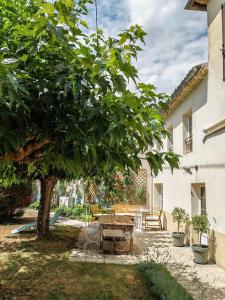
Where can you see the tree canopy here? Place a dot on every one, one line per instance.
(66, 107)
(65, 94)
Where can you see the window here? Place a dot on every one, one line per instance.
(223, 48)
(170, 139)
(157, 147)
(198, 199)
(203, 200)
(158, 197)
(188, 143)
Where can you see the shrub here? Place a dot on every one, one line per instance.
(162, 286)
(179, 215)
(200, 225)
(76, 212)
(13, 200)
(34, 205)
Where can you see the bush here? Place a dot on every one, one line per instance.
(162, 286)
(34, 205)
(200, 225)
(76, 212)
(13, 200)
(179, 215)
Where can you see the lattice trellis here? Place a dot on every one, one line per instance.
(141, 179)
(140, 182)
(90, 192)
(135, 193)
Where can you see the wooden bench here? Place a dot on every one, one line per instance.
(126, 209)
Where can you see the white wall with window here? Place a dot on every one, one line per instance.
(198, 199)
(199, 184)
(188, 132)
(170, 138)
(158, 197)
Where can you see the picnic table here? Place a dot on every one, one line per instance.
(116, 228)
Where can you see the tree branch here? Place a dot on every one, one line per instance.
(22, 153)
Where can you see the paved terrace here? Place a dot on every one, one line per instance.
(202, 281)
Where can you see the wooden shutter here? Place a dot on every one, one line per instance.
(223, 48)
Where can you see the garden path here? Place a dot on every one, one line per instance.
(202, 281)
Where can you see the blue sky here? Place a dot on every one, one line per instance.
(176, 41)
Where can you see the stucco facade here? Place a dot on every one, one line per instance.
(199, 185)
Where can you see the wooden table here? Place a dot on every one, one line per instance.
(115, 225)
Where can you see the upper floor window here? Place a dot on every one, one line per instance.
(203, 200)
(188, 140)
(170, 139)
(223, 38)
(157, 147)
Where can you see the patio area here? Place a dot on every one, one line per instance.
(202, 281)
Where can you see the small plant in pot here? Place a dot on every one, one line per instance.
(180, 216)
(200, 225)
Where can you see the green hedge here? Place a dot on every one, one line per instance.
(34, 205)
(162, 285)
(76, 212)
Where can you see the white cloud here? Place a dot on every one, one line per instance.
(176, 38)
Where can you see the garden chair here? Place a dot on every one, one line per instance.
(153, 220)
(95, 211)
(33, 225)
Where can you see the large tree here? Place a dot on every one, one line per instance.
(66, 109)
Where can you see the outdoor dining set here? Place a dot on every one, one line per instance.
(116, 226)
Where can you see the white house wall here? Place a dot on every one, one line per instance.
(206, 164)
(216, 86)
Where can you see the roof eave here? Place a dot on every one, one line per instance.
(200, 5)
(194, 77)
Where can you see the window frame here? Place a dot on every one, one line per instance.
(188, 132)
(203, 210)
(223, 38)
(158, 197)
(170, 140)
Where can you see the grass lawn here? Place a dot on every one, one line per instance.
(31, 269)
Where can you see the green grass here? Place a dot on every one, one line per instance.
(161, 284)
(32, 269)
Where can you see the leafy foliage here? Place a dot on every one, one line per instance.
(160, 282)
(34, 204)
(122, 188)
(13, 199)
(200, 225)
(76, 212)
(65, 104)
(179, 215)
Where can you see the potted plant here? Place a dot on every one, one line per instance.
(200, 225)
(180, 216)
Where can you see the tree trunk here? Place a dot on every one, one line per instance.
(47, 186)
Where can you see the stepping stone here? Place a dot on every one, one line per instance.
(78, 259)
(98, 259)
(129, 260)
(113, 259)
